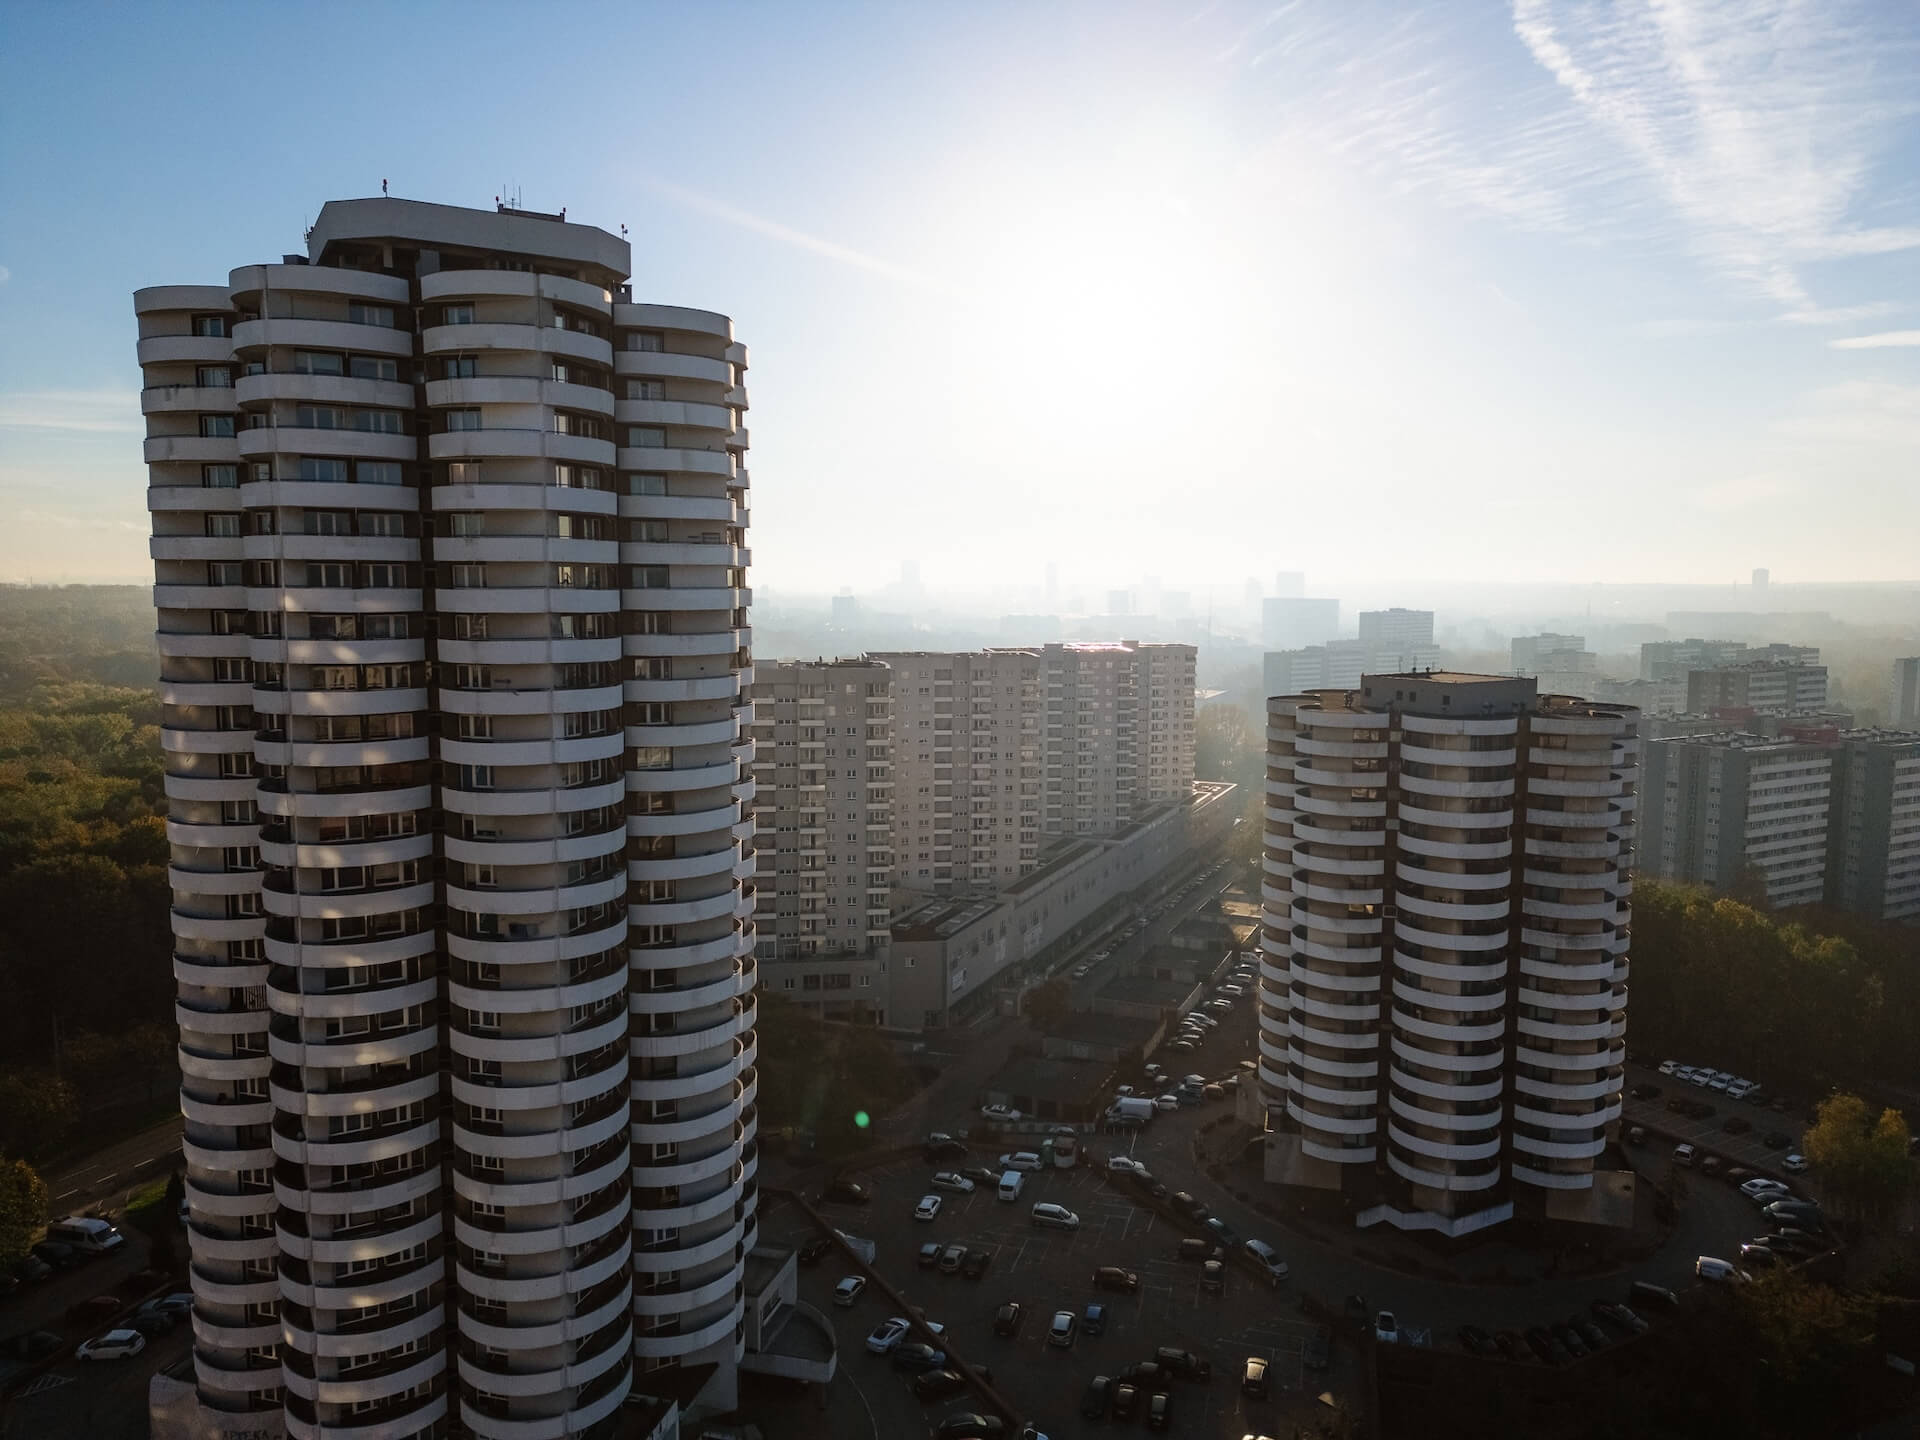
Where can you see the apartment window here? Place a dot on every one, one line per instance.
(652, 757)
(213, 377)
(378, 472)
(220, 477)
(330, 575)
(650, 577)
(463, 472)
(359, 314)
(385, 523)
(646, 484)
(470, 677)
(467, 577)
(321, 471)
(642, 437)
(463, 419)
(466, 627)
(647, 532)
(458, 367)
(216, 427)
(646, 389)
(215, 326)
(650, 340)
(473, 777)
(223, 526)
(317, 362)
(649, 712)
(456, 315)
(374, 367)
(329, 522)
(226, 572)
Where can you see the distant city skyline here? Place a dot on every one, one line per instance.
(1006, 267)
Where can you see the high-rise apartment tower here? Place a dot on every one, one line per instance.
(1446, 918)
(448, 547)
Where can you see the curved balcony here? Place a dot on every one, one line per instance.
(688, 1342)
(1442, 1150)
(1312, 1119)
(499, 335)
(1443, 1179)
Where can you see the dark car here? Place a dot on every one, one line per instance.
(943, 1147)
(1645, 1092)
(930, 1254)
(150, 1323)
(1213, 1277)
(1318, 1353)
(1542, 1345)
(1795, 1212)
(981, 1175)
(94, 1311)
(952, 1259)
(1476, 1341)
(847, 1192)
(1193, 1248)
(1774, 1140)
(1006, 1320)
(1789, 1240)
(970, 1426)
(1188, 1206)
(1183, 1363)
(1224, 1231)
(1619, 1316)
(1114, 1277)
(1159, 1410)
(1255, 1381)
(1093, 1320)
(30, 1268)
(59, 1255)
(1098, 1399)
(1758, 1255)
(1568, 1337)
(916, 1356)
(1146, 1374)
(976, 1264)
(32, 1345)
(1595, 1337)
(1126, 1399)
(1645, 1292)
(938, 1385)
(1510, 1345)
(815, 1250)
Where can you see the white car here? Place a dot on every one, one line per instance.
(1669, 1067)
(952, 1180)
(1386, 1329)
(1004, 1113)
(1200, 1017)
(1763, 1191)
(1794, 1164)
(928, 1207)
(114, 1345)
(1125, 1165)
(848, 1290)
(1721, 1271)
(1167, 1102)
(887, 1335)
(1020, 1160)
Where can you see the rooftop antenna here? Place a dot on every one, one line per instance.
(383, 184)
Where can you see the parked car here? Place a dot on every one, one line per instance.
(1183, 1364)
(1006, 1320)
(1758, 1255)
(981, 1175)
(1595, 1337)
(951, 1180)
(1723, 1272)
(1795, 1164)
(1667, 1067)
(1544, 1347)
(1188, 1206)
(1619, 1316)
(916, 1357)
(1049, 1216)
(1569, 1337)
(1098, 1399)
(848, 1192)
(849, 1290)
(1125, 1165)
(1683, 1155)
(1093, 1320)
(969, 1425)
(1776, 1140)
(1386, 1329)
(928, 1208)
(94, 1310)
(1020, 1160)
(1159, 1410)
(1255, 1383)
(1062, 1328)
(1126, 1399)
(934, 1385)
(976, 1263)
(1476, 1341)
(930, 1254)
(952, 1259)
(1114, 1277)
(886, 1335)
(1267, 1258)
(1645, 1292)
(1224, 1232)
(1795, 1213)
(114, 1345)
(815, 1250)
(999, 1114)
(1193, 1248)
(1213, 1277)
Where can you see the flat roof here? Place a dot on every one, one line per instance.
(943, 918)
(432, 226)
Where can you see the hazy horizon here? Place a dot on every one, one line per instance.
(1559, 293)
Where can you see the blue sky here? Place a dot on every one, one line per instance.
(1599, 292)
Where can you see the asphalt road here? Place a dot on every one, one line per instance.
(1710, 1135)
(105, 1176)
(97, 1399)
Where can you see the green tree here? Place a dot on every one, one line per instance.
(37, 1113)
(23, 1209)
(1862, 1162)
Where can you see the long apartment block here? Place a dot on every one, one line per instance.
(448, 541)
(1447, 909)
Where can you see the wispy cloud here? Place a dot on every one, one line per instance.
(107, 411)
(787, 235)
(1885, 340)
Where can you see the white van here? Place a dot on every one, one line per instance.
(1012, 1182)
(83, 1232)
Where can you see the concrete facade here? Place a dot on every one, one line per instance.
(1903, 697)
(1444, 951)
(1717, 804)
(449, 551)
(1763, 685)
(1873, 849)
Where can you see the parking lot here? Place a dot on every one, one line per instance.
(1709, 1134)
(1049, 1270)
